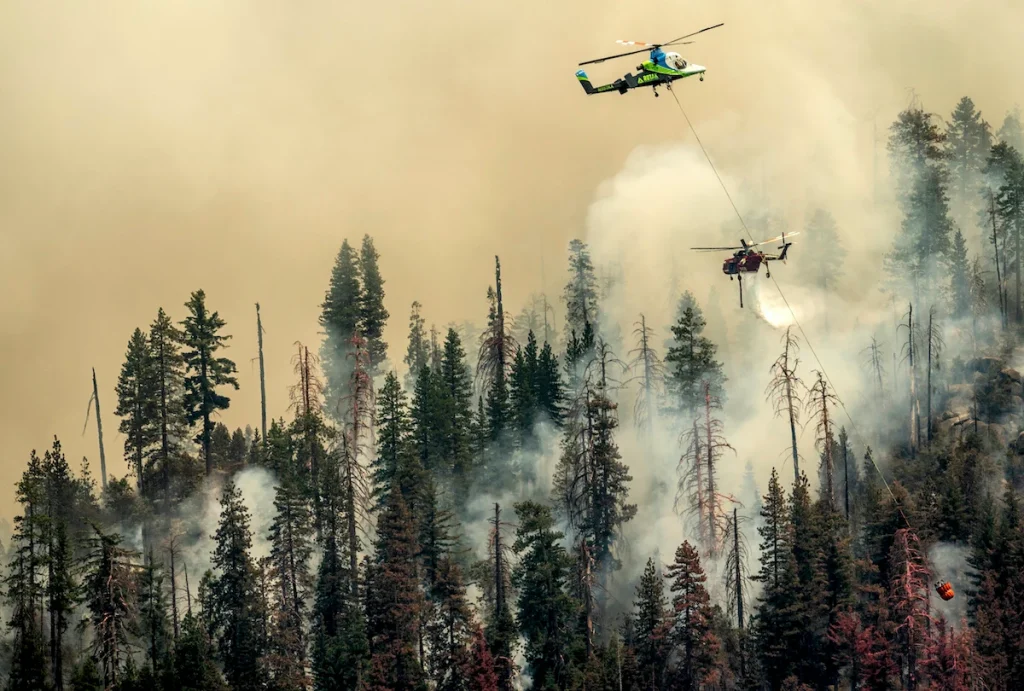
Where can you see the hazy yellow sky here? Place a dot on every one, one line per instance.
(150, 149)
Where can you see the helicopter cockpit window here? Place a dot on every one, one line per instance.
(675, 61)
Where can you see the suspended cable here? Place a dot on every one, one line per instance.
(784, 300)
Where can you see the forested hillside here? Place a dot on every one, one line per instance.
(454, 512)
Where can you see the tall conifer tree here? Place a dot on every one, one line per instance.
(206, 371)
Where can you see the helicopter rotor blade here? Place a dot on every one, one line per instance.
(777, 238)
(648, 46)
(676, 40)
(612, 57)
(714, 249)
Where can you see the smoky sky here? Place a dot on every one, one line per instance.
(151, 149)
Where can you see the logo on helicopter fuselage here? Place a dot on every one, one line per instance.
(647, 78)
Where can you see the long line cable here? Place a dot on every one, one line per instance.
(784, 300)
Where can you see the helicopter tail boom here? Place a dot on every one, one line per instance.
(591, 89)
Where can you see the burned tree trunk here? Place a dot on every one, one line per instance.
(99, 431)
(995, 244)
(263, 379)
(784, 391)
(935, 345)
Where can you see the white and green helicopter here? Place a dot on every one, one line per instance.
(661, 68)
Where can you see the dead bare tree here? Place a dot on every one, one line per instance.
(819, 400)
(784, 390)
(876, 367)
(497, 345)
(306, 397)
(356, 444)
(172, 543)
(95, 398)
(736, 573)
(979, 297)
(598, 372)
(909, 351)
(995, 244)
(310, 388)
(935, 345)
(263, 378)
(703, 444)
(584, 587)
(649, 372)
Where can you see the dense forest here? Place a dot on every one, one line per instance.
(395, 528)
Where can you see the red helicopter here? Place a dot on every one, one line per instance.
(747, 259)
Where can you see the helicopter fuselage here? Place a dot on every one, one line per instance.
(745, 263)
(654, 72)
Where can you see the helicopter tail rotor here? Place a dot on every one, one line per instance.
(784, 247)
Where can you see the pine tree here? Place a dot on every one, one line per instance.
(581, 303)
(478, 670)
(997, 559)
(591, 484)
(394, 601)
(429, 422)
(169, 380)
(59, 526)
(417, 355)
(692, 621)
(546, 611)
(152, 615)
(136, 403)
(290, 553)
(193, 664)
(651, 626)
(908, 603)
(1008, 165)
(501, 629)
(340, 647)
(110, 596)
(497, 348)
(923, 244)
(967, 141)
(24, 583)
(523, 402)
(437, 534)
(206, 371)
(220, 445)
(450, 630)
(340, 318)
(777, 625)
(960, 277)
(372, 314)
(915, 143)
(1010, 132)
(610, 486)
(394, 444)
(691, 361)
(579, 350)
(548, 386)
(233, 595)
(457, 388)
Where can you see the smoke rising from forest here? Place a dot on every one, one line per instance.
(139, 169)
